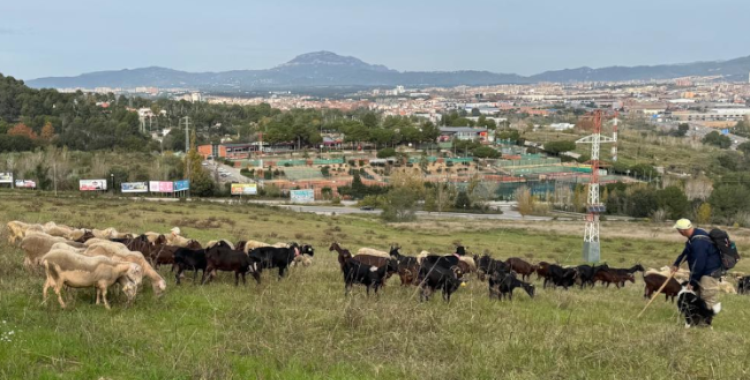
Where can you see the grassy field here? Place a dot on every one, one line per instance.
(304, 328)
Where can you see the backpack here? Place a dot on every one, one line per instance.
(726, 247)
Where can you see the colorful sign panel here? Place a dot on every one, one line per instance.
(302, 196)
(25, 184)
(244, 189)
(181, 185)
(134, 187)
(160, 187)
(92, 185)
(6, 177)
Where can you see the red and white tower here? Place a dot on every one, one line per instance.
(594, 207)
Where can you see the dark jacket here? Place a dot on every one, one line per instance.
(702, 256)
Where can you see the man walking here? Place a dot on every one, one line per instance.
(703, 260)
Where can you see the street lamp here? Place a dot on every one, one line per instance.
(112, 175)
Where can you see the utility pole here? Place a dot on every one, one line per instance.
(591, 242)
(187, 148)
(54, 176)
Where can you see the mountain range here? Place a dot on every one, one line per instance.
(327, 69)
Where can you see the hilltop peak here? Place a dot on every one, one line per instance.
(328, 58)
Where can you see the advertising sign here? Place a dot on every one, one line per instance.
(160, 187)
(302, 196)
(25, 184)
(6, 177)
(244, 189)
(134, 187)
(181, 185)
(92, 185)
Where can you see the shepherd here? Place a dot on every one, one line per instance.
(704, 261)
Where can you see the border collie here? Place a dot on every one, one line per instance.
(694, 309)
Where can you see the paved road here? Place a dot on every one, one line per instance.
(507, 214)
(233, 174)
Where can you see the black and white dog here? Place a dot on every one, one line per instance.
(694, 309)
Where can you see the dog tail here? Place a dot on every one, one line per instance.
(717, 308)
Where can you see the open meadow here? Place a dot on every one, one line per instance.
(303, 327)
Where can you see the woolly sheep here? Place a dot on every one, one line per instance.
(214, 242)
(252, 244)
(373, 252)
(17, 230)
(35, 246)
(63, 268)
(119, 251)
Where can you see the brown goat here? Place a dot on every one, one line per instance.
(655, 281)
(608, 277)
(521, 267)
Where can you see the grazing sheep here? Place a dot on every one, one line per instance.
(152, 236)
(373, 252)
(17, 230)
(78, 234)
(726, 287)
(77, 271)
(70, 246)
(177, 241)
(681, 275)
(117, 250)
(253, 244)
(214, 242)
(35, 246)
(57, 230)
(106, 233)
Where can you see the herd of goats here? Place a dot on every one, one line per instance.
(81, 258)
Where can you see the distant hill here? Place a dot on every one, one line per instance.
(321, 69)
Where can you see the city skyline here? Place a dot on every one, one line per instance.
(39, 39)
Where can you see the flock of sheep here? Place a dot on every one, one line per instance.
(82, 258)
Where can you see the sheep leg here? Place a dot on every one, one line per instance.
(58, 288)
(195, 275)
(236, 278)
(104, 298)
(47, 284)
(243, 279)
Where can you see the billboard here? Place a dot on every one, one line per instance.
(160, 187)
(6, 177)
(182, 185)
(25, 184)
(92, 185)
(244, 189)
(302, 196)
(134, 187)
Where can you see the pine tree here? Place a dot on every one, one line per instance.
(201, 183)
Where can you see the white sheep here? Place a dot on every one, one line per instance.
(35, 246)
(214, 242)
(118, 251)
(17, 230)
(373, 252)
(63, 267)
(252, 244)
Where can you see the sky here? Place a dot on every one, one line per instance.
(64, 38)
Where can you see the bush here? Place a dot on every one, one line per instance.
(386, 153)
(717, 139)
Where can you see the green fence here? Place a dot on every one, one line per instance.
(330, 161)
(544, 161)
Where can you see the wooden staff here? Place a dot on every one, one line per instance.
(660, 289)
